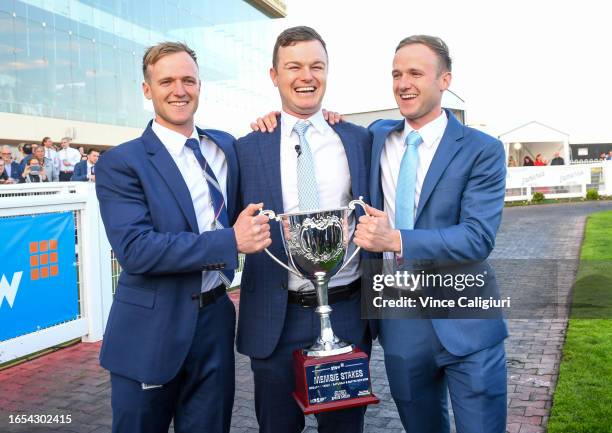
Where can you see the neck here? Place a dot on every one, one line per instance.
(420, 122)
(302, 116)
(185, 129)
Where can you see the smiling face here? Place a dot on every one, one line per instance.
(174, 88)
(418, 84)
(301, 77)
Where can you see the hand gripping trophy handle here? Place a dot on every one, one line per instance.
(272, 215)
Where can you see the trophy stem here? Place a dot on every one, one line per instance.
(327, 344)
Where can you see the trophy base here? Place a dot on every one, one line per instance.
(332, 382)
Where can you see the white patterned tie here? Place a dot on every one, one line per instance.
(308, 194)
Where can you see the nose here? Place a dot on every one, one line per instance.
(179, 88)
(404, 83)
(306, 74)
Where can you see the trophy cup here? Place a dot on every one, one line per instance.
(331, 374)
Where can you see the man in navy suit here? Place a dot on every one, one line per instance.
(84, 171)
(166, 199)
(11, 167)
(303, 165)
(442, 187)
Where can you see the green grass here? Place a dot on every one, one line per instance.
(583, 398)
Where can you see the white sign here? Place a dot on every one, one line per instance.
(556, 175)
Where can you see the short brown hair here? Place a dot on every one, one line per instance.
(435, 44)
(156, 52)
(292, 36)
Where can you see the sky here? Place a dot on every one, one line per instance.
(513, 61)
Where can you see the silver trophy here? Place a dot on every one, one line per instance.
(316, 243)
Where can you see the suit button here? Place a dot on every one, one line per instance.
(284, 286)
(195, 296)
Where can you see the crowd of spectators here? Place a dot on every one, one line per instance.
(47, 162)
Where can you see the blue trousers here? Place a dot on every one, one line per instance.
(200, 397)
(420, 372)
(276, 410)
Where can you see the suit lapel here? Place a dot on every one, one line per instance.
(448, 147)
(269, 153)
(346, 137)
(169, 172)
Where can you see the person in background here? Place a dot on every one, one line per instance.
(539, 161)
(33, 172)
(557, 160)
(609, 157)
(527, 162)
(5, 179)
(511, 162)
(45, 163)
(12, 168)
(84, 171)
(51, 153)
(68, 158)
(83, 153)
(602, 157)
(26, 150)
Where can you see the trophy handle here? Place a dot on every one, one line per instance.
(351, 206)
(270, 214)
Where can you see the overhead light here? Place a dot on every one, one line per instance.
(517, 146)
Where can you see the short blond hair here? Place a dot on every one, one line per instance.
(156, 52)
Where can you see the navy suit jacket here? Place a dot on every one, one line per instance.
(263, 294)
(80, 172)
(459, 212)
(151, 224)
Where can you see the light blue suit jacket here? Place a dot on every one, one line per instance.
(459, 212)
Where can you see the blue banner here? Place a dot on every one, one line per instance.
(38, 281)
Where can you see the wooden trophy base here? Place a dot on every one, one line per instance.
(330, 383)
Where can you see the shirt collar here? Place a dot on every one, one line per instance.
(317, 120)
(174, 141)
(431, 132)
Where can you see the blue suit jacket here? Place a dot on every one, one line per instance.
(16, 170)
(263, 295)
(80, 172)
(459, 212)
(151, 224)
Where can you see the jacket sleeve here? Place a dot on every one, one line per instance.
(140, 248)
(482, 202)
(80, 173)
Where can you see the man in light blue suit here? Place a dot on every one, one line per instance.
(298, 169)
(166, 199)
(441, 186)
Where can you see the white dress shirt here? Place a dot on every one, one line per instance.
(391, 159)
(71, 155)
(333, 182)
(53, 156)
(192, 174)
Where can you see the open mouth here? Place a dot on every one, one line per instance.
(408, 96)
(178, 103)
(305, 89)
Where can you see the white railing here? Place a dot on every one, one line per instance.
(559, 181)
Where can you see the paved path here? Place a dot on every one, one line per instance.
(70, 381)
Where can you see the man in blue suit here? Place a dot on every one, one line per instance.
(303, 165)
(442, 187)
(166, 199)
(84, 171)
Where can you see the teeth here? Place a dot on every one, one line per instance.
(178, 103)
(409, 96)
(305, 89)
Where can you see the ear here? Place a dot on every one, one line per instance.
(146, 89)
(274, 76)
(445, 80)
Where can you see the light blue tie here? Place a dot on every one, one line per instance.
(308, 194)
(406, 183)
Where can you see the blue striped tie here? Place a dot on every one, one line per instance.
(216, 196)
(308, 194)
(406, 183)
